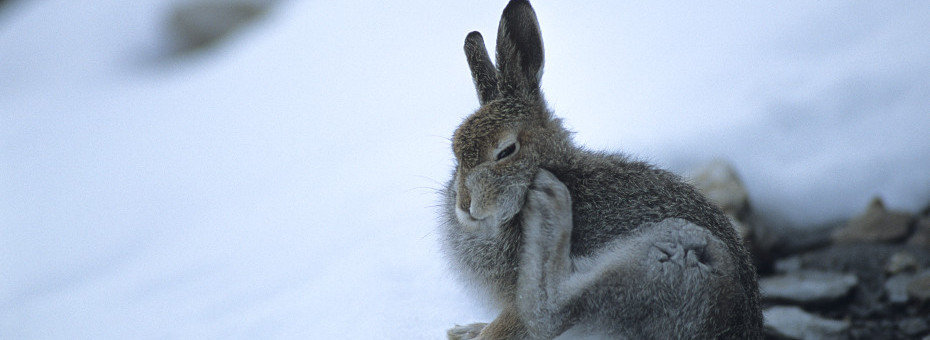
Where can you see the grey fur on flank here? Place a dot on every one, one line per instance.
(560, 237)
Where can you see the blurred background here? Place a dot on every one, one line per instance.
(268, 169)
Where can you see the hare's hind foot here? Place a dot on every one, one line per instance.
(506, 326)
(466, 332)
(687, 249)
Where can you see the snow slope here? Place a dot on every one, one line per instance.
(283, 184)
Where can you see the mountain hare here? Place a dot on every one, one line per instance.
(562, 237)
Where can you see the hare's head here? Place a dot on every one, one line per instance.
(501, 147)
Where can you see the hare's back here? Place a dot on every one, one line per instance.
(612, 196)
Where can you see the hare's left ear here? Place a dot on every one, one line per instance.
(519, 51)
(483, 72)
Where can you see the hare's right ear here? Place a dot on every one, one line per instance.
(483, 72)
(519, 51)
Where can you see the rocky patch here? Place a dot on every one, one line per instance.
(865, 278)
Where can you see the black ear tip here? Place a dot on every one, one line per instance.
(518, 15)
(473, 36)
(474, 42)
(515, 5)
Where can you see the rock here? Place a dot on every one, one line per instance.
(921, 234)
(900, 262)
(788, 240)
(790, 264)
(876, 224)
(896, 288)
(719, 182)
(861, 258)
(795, 323)
(197, 24)
(919, 287)
(807, 286)
(742, 229)
(913, 326)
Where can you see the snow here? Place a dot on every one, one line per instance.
(282, 185)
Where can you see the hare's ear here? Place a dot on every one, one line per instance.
(483, 72)
(519, 51)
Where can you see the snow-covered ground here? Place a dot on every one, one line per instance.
(282, 185)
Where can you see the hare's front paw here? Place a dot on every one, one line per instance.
(467, 332)
(548, 203)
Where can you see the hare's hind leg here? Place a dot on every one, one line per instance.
(673, 273)
(672, 280)
(690, 281)
(546, 263)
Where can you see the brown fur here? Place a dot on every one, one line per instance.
(559, 236)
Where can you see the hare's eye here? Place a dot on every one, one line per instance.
(507, 151)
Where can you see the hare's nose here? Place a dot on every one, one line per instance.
(477, 212)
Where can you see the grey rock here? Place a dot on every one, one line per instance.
(794, 323)
(921, 234)
(876, 224)
(901, 262)
(896, 288)
(807, 286)
(919, 287)
(789, 264)
(913, 326)
(719, 182)
(788, 240)
(861, 258)
(742, 229)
